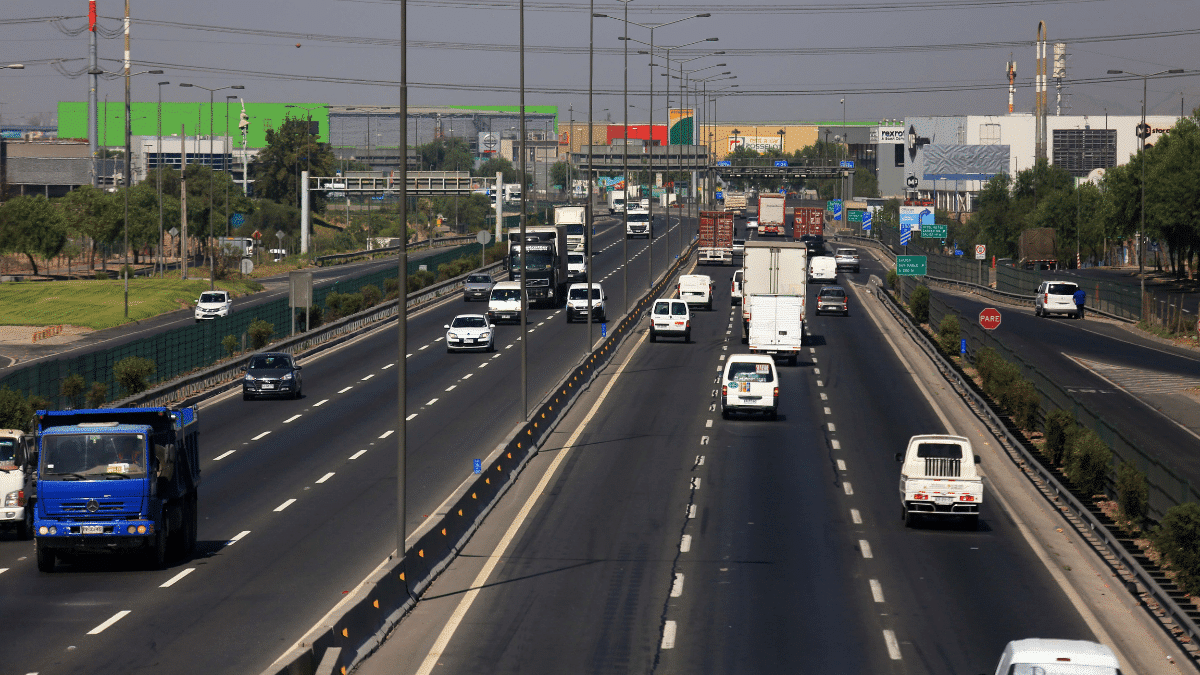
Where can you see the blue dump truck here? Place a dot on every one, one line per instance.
(119, 480)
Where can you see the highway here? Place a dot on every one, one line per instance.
(297, 503)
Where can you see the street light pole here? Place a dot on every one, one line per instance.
(226, 160)
(159, 164)
(590, 199)
(128, 153)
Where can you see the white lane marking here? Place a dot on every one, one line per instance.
(876, 590)
(699, 460)
(171, 582)
(685, 544)
(5, 569)
(707, 423)
(841, 465)
(368, 377)
(893, 647)
(439, 339)
(835, 444)
(677, 585)
(291, 419)
(432, 401)
(115, 618)
(668, 641)
(824, 396)
(691, 511)
(812, 350)
(828, 411)
(451, 387)
(855, 517)
(324, 478)
(284, 505)
(408, 356)
(387, 433)
(816, 371)
(849, 490)
(866, 548)
(358, 454)
(540, 324)
(506, 347)
(468, 375)
(320, 403)
(496, 356)
(345, 390)
(423, 347)
(814, 360)
(484, 364)
(704, 440)
(260, 436)
(387, 366)
(820, 383)
(722, 358)
(406, 419)
(223, 455)
(237, 537)
(832, 427)
(696, 483)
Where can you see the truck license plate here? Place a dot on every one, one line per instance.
(91, 529)
(943, 501)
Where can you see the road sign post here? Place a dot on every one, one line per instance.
(989, 318)
(981, 255)
(483, 238)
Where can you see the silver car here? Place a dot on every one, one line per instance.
(478, 287)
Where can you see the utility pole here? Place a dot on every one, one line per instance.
(93, 90)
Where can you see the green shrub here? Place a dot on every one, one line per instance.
(918, 303)
(1088, 462)
(260, 333)
(72, 388)
(390, 285)
(1023, 403)
(101, 275)
(15, 411)
(38, 403)
(419, 279)
(131, 373)
(1133, 493)
(1059, 426)
(333, 302)
(370, 295)
(126, 272)
(352, 303)
(97, 395)
(312, 317)
(893, 280)
(949, 334)
(1176, 538)
(230, 344)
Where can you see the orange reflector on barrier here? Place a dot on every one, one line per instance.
(345, 632)
(376, 604)
(443, 531)
(460, 512)
(402, 576)
(421, 553)
(488, 481)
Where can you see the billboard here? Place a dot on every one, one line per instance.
(964, 162)
(887, 135)
(758, 143)
(489, 142)
(680, 121)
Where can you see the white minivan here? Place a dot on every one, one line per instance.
(1039, 656)
(504, 304)
(696, 290)
(1055, 297)
(577, 303)
(822, 269)
(750, 383)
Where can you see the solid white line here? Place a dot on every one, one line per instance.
(849, 490)
(677, 585)
(358, 454)
(866, 548)
(410, 417)
(893, 647)
(345, 390)
(291, 419)
(115, 618)
(841, 465)
(855, 517)
(320, 403)
(324, 478)
(223, 455)
(368, 377)
(237, 537)
(668, 641)
(171, 582)
(468, 598)
(876, 590)
(260, 436)
(387, 433)
(835, 444)
(685, 544)
(832, 427)
(451, 387)
(387, 366)
(284, 505)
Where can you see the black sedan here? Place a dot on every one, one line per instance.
(271, 374)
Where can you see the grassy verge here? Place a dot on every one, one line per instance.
(101, 304)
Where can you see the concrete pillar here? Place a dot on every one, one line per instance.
(303, 212)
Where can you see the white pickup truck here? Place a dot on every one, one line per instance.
(18, 462)
(938, 478)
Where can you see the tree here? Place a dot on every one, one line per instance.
(998, 226)
(93, 214)
(290, 149)
(865, 183)
(1173, 191)
(448, 153)
(32, 226)
(560, 174)
(498, 165)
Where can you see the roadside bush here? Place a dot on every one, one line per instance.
(15, 411)
(333, 301)
(1023, 402)
(1176, 538)
(390, 286)
(230, 344)
(72, 388)
(1059, 426)
(1088, 462)
(893, 280)
(312, 317)
(126, 272)
(918, 304)
(419, 279)
(370, 295)
(97, 395)
(1133, 493)
(949, 334)
(131, 373)
(260, 333)
(101, 275)
(352, 303)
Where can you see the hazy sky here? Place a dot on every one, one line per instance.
(886, 55)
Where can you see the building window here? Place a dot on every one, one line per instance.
(1079, 151)
(899, 154)
(989, 134)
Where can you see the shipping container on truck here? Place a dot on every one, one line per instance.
(771, 215)
(808, 220)
(716, 238)
(1038, 248)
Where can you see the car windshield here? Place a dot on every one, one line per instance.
(8, 452)
(93, 456)
(1062, 289)
(212, 297)
(833, 293)
(575, 258)
(750, 372)
(940, 450)
(581, 294)
(269, 363)
(479, 279)
(468, 322)
(847, 251)
(506, 294)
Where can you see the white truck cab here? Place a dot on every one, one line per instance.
(17, 465)
(938, 479)
(1039, 656)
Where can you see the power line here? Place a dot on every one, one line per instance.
(739, 9)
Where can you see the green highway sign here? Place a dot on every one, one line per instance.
(910, 265)
(933, 231)
(854, 216)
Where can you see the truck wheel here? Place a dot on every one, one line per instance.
(45, 558)
(156, 550)
(191, 522)
(687, 337)
(653, 336)
(25, 527)
(792, 360)
(709, 306)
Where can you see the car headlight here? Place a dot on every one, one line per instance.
(485, 335)
(287, 376)
(452, 336)
(249, 377)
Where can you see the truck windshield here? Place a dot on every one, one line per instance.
(638, 217)
(575, 229)
(93, 456)
(8, 452)
(534, 262)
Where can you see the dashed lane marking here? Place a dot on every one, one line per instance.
(368, 377)
(685, 544)
(432, 401)
(835, 444)
(849, 490)
(876, 590)
(237, 537)
(816, 371)
(704, 440)
(285, 505)
(260, 436)
(893, 646)
(691, 511)
(291, 419)
(707, 423)
(832, 427)
(855, 517)
(324, 478)
(171, 582)
(483, 365)
(865, 547)
(677, 585)
(113, 619)
(820, 383)
(451, 387)
(828, 411)
(223, 455)
(841, 463)
(668, 639)
(320, 403)
(358, 454)
(345, 390)
(387, 433)
(387, 366)
(410, 417)
(824, 396)
(423, 347)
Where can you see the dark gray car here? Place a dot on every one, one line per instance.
(478, 287)
(271, 374)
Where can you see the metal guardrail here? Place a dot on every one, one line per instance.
(1033, 464)
(415, 246)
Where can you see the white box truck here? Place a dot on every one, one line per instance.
(777, 326)
(773, 269)
(616, 202)
(574, 218)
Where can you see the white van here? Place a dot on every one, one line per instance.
(1055, 297)
(1057, 657)
(750, 383)
(822, 269)
(735, 287)
(696, 290)
(504, 304)
(577, 303)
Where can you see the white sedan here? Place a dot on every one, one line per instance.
(470, 331)
(212, 305)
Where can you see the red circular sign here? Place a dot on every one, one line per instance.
(990, 318)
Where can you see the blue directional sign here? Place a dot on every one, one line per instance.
(477, 465)
(237, 219)
(837, 209)
(604, 330)
(720, 195)
(724, 162)
(905, 233)
(866, 220)
(962, 347)
(847, 164)
(957, 252)
(781, 162)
